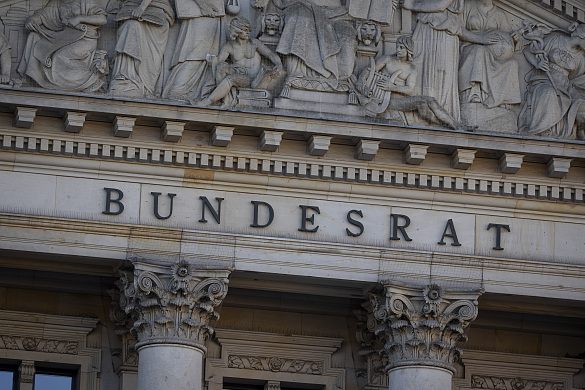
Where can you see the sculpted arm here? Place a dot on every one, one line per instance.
(480, 38)
(539, 61)
(266, 52)
(94, 20)
(33, 21)
(408, 87)
(382, 63)
(224, 53)
(427, 5)
(138, 11)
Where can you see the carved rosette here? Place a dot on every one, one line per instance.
(172, 304)
(422, 326)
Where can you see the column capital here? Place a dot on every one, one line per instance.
(172, 303)
(421, 325)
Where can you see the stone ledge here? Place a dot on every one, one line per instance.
(309, 126)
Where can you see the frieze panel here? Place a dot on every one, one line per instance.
(503, 383)
(501, 72)
(276, 364)
(40, 345)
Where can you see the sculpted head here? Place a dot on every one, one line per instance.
(578, 33)
(369, 32)
(240, 27)
(405, 48)
(272, 24)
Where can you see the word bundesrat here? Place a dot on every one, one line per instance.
(307, 214)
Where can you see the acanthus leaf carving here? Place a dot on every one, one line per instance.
(420, 325)
(175, 304)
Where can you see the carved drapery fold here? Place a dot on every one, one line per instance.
(173, 303)
(421, 326)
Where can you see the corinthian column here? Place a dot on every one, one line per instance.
(420, 328)
(172, 307)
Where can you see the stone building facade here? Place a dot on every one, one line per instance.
(322, 195)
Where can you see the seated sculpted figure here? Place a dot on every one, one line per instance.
(398, 78)
(555, 94)
(245, 54)
(488, 73)
(61, 47)
(142, 39)
(318, 43)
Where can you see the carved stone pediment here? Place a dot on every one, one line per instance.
(325, 59)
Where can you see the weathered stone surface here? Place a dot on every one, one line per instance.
(74, 121)
(319, 145)
(173, 131)
(510, 162)
(333, 66)
(222, 135)
(123, 126)
(415, 154)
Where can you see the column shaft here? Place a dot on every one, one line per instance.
(419, 378)
(170, 367)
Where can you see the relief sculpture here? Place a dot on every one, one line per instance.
(554, 98)
(246, 66)
(317, 43)
(468, 65)
(200, 34)
(62, 45)
(436, 38)
(399, 78)
(142, 38)
(488, 71)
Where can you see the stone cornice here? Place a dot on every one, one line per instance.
(295, 125)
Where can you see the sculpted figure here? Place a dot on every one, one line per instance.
(488, 73)
(272, 24)
(60, 48)
(368, 33)
(316, 47)
(400, 82)
(5, 60)
(245, 54)
(436, 38)
(553, 104)
(142, 39)
(199, 35)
